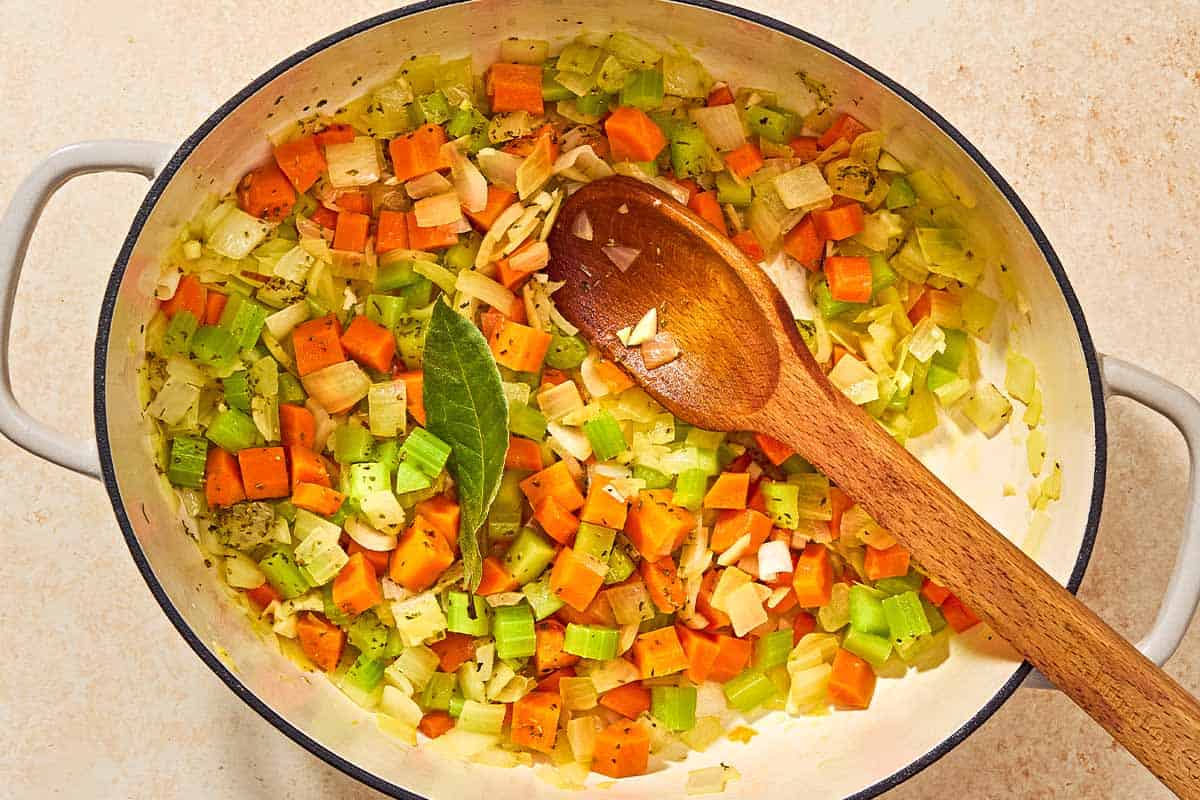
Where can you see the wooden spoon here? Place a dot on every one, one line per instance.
(744, 367)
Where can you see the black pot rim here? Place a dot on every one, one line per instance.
(387, 787)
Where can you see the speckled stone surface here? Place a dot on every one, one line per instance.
(1089, 109)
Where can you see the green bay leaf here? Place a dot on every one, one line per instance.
(465, 407)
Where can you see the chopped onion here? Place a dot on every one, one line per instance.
(660, 350)
(383, 511)
(369, 538)
(521, 230)
(582, 164)
(645, 329)
(500, 227)
(560, 400)
(710, 780)
(927, 340)
(168, 282)
(469, 183)
(281, 323)
(631, 170)
(733, 555)
(237, 234)
(531, 258)
(630, 603)
(592, 381)
(571, 440)
(581, 226)
(505, 599)
(536, 169)
(581, 735)
(293, 265)
(442, 209)
(803, 188)
(856, 380)
(353, 163)
(722, 126)
(774, 559)
(337, 387)
(730, 581)
(499, 167)
(744, 606)
(623, 257)
(477, 285)
(551, 215)
(324, 424)
(427, 185)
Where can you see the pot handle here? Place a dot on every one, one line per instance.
(16, 229)
(1122, 379)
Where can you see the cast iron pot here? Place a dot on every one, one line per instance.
(911, 722)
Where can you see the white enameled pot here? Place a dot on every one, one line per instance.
(912, 721)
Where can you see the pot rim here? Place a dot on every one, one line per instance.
(170, 170)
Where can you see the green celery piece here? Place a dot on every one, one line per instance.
(654, 478)
(455, 706)
(604, 433)
(566, 352)
(542, 599)
(410, 334)
(365, 673)
(366, 478)
(214, 346)
(748, 690)
(290, 389)
(352, 443)
(525, 420)
(432, 107)
(900, 194)
(512, 627)
(939, 376)
(528, 556)
(596, 642)
(731, 192)
(956, 350)
(882, 274)
(456, 74)
(285, 509)
(410, 479)
(504, 517)
(386, 309)
(912, 582)
(332, 612)
(461, 255)
(772, 650)
(866, 610)
(871, 648)
(829, 307)
(186, 465)
(770, 123)
(593, 104)
(237, 390)
(689, 151)
(620, 566)
(648, 167)
(690, 486)
(387, 452)
(795, 465)
(438, 692)
(783, 503)
(177, 340)
(643, 89)
(425, 451)
(595, 541)
(552, 90)
(282, 573)
(905, 617)
(244, 319)
(611, 74)
(395, 275)
(232, 430)
(674, 706)
(934, 615)
(369, 635)
(579, 57)
(659, 620)
(469, 122)
(467, 614)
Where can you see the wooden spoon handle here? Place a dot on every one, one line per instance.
(1139, 704)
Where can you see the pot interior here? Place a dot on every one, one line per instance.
(843, 753)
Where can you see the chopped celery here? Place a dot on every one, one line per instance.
(524, 420)
(771, 124)
(290, 389)
(654, 478)
(542, 598)
(604, 433)
(566, 352)
(690, 151)
(365, 673)
(467, 614)
(470, 123)
(783, 503)
(177, 339)
(425, 451)
(690, 486)
(214, 346)
(955, 351)
(332, 612)
(595, 541)
(369, 635)
(395, 275)
(659, 620)
(772, 650)
(593, 104)
(900, 194)
(934, 615)
(591, 641)
(628, 47)
(829, 307)
(320, 556)
(988, 409)
(386, 309)
(812, 497)
(512, 627)
(748, 690)
(882, 274)
(552, 90)
(387, 452)
(244, 319)
(282, 573)
(674, 706)
(387, 408)
(867, 646)
(620, 566)
(365, 478)
(579, 57)
(866, 610)
(237, 390)
(732, 192)
(482, 717)
(905, 617)
(432, 107)
(528, 556)
(352, 444)
(454, 705)
(438, 691)
(410, 479)
(186, 467)
(911, 582)
(643, 89)
(232, 430)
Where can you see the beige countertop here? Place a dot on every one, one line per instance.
(1089, 109)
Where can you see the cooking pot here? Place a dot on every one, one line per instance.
(912, 721)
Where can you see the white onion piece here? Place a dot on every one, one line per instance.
(592, 381)
(623, 257)
(369, 538)
(660, 350)
(581, 226)
(499, 167)
(486, 290)
(167, 284)
(495, 233)
(774, 559)
(571, 440)
(324, 424)
(631, 170)
(469, 182)
(427, 186)
(442, 209)
(531, 258)
(582, 164)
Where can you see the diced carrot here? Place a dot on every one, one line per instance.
(733, 656)
(357, 201)
(804, 624)
(443, 515)
(839, 222)
(391, 231)
(633, 136)
(435, 724)
(659, 653)
(414, 392)
(369, 343)
(535, 718)
(376, 558)
(889, 563)
(190, 295)
(611, 376)
(266, 193)
(849, 278)
(597, 612)
(321, 640)
(325, 217)
(733, 524)
(844, 127)
(552, 377)
(558, 523)
(297, 426)
(554, 481)
(438, 237)
(222, 479)
(934, 593)
(264, 472)
(922, 307)
(522, 263)
(655, 525)
(549, 656)
(851, 682)
(264, 595)
(498, 199)
(418, 153)
(812, 577)
(490, 321)
(803, 244)
(515, 87)
(305, 466)
(958, 616)
(351, 231)
(716, 618)
(744, 161)
(706, 206)
(453, 651)
(748, 243)
(622, 750)
(804, 147)
(214, 306)
(495, 578)
(839, 501)
(630, 700)
(302, 161)
(420, 557)
(728, 491)
(758, 500)
(356, 588)
(701, 650)
(317, 344)
(663, 584)
(550, 682)
(523, 454)
(688, 185)
(773, 449)
(316, 498)
(524, 146)
(720, 96)
(520, 347)
(334, 134)
(601, 508)
(573, 580)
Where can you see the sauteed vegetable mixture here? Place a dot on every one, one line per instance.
(413, 469)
